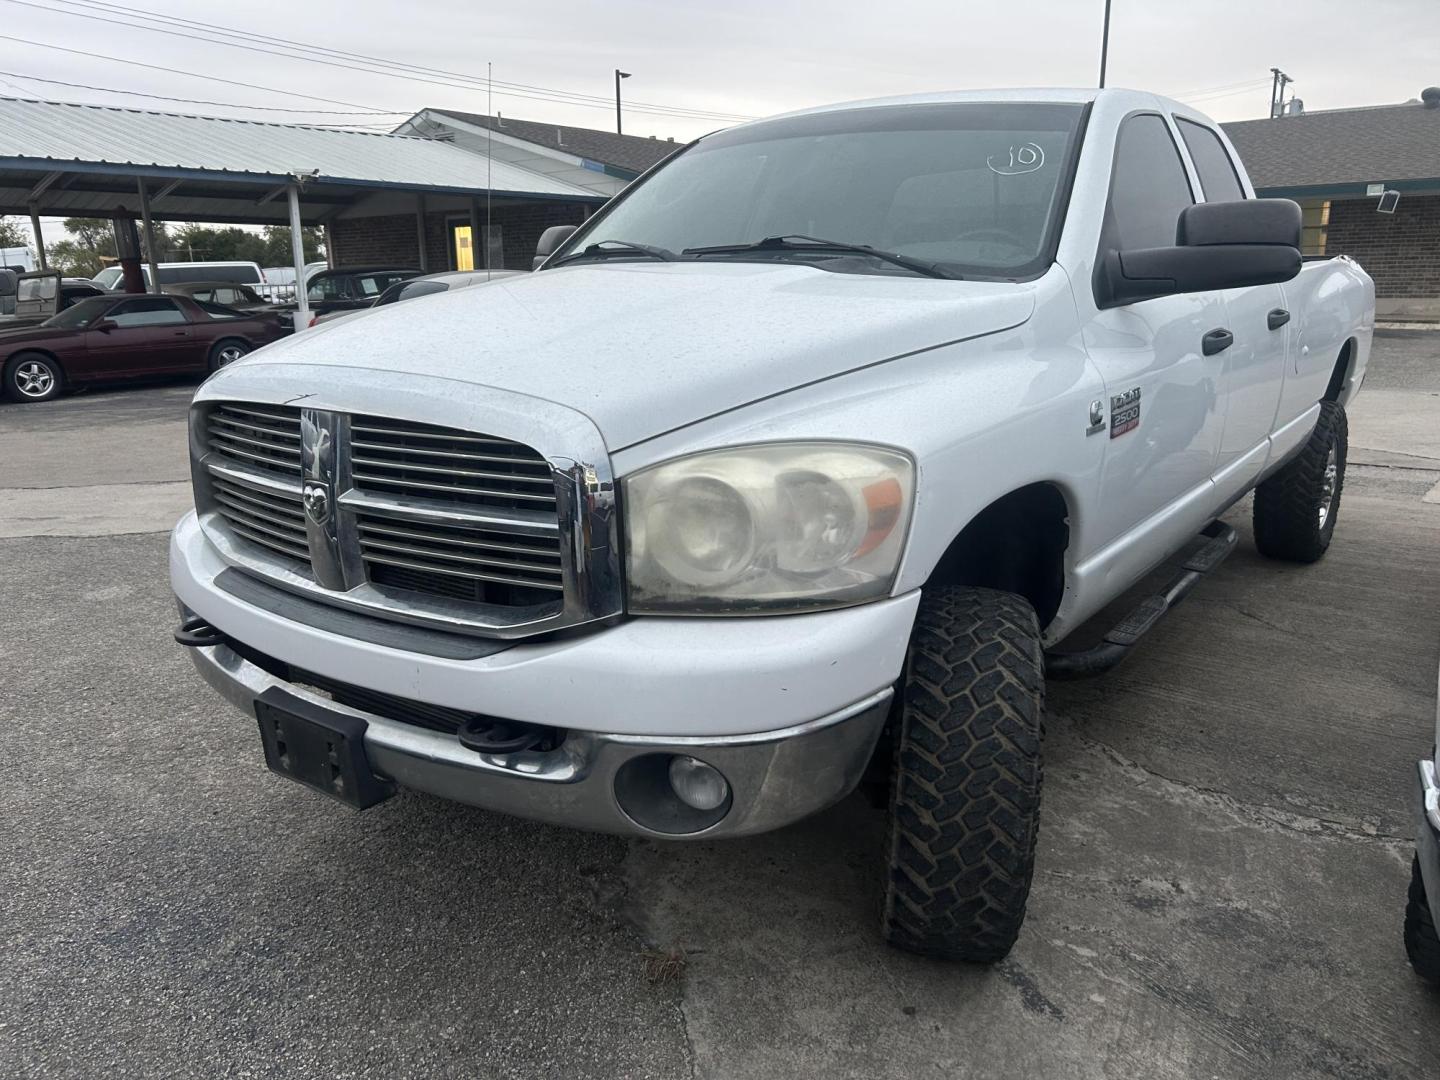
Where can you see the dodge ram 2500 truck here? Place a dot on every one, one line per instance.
(794, 465)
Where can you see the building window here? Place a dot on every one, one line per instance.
(1315, 221)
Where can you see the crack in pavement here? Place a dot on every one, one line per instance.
(1259, 815)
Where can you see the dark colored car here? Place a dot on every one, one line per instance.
(352, 287)
(122, 336)
(225, 293)
(410, 288)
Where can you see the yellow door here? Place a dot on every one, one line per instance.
(464, 250)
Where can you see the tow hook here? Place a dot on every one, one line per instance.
(487, 735)
(196, 633)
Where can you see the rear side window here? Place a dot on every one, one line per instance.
(1148, 189)
(1218, 178)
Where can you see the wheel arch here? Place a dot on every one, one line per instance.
(1018, 543)
(1341, 374)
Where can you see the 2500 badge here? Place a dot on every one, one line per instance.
(1124, 412)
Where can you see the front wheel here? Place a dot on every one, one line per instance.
(965, 793)
(1296, 509)
(1422, 944)
(34, 377)
(225, 353)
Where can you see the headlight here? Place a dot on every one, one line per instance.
(778, 527)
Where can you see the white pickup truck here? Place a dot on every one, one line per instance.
(794, 465)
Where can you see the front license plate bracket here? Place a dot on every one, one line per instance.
(321, 748)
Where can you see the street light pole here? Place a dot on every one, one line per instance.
(1105, 45)
(618, 76)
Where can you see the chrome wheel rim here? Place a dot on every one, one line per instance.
(1327, 486)
(34, 379)
(229, 355)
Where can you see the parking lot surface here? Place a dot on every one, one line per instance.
(1220, 880)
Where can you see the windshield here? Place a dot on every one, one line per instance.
(109, 277)
(81, 314)
(972, 188)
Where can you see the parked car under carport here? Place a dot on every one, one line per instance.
(124, 336)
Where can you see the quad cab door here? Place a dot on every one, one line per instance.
(1252, 370)
(1163, 414)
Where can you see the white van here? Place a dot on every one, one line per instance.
(241, 273)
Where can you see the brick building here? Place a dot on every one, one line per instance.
(1336, 164)
(591, 165)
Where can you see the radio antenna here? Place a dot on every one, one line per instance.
(489, 134)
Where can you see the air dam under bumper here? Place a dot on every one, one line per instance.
(603, 782)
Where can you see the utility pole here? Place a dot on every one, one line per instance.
(618, 76)
(1105, 45)
(1277, 92)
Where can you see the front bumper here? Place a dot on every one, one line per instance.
(653, 676)
(775, 777)
(1427, 834)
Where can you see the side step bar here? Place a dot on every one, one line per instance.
(1117, 643)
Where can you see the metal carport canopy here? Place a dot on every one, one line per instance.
(65, 160)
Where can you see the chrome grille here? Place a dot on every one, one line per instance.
(466, 563)
(452, 466)
(423, 523)
(263, 516)
(258, 436)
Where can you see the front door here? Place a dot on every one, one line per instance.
(1163, 408)
(148, 335)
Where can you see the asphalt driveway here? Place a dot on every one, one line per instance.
(1219, 889)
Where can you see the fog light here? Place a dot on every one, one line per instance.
(696, 784)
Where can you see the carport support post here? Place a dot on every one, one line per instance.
(297, 252)
(420, 231)
(39, 239)
(150, 256)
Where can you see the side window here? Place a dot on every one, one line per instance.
(156, 311)
(1149, 187)
(202, 295)
(1218, 178)
(328, 288)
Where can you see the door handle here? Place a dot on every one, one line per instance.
(1216, 341)
(1277, 318)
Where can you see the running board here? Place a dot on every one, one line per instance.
(1117, 643)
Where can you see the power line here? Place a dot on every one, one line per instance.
(196, 75)
(248, 35)
(199, 101)
(408, 72)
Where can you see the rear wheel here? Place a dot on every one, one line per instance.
(1422, 944)
(224, 353)
(1296, 509)
(965, 797)
(34, 377)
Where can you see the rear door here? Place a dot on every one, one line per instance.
(150, 336)
(1252, 370)
(1163, 413)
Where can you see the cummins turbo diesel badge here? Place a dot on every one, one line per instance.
(1124, 412)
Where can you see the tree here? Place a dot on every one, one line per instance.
(72, 259)
(13, 233)
(277, 244)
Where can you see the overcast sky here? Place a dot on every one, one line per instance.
(742, 57)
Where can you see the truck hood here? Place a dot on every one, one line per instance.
(643, 348)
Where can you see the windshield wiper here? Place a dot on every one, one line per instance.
(796, 242)
(606, 248)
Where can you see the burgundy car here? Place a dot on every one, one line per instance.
(125, 336)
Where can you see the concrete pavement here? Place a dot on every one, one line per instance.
(1219, 889)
